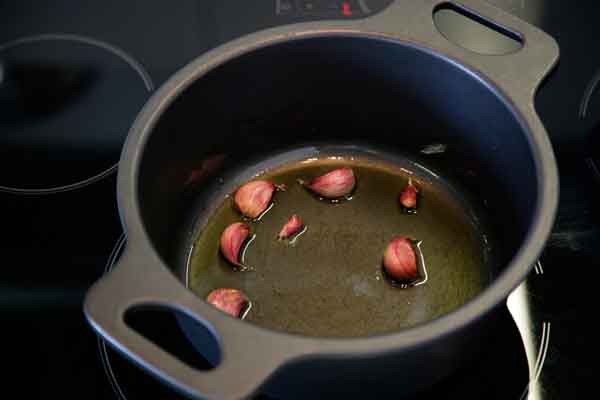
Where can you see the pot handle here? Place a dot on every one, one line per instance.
(518, 73)
(248, 356)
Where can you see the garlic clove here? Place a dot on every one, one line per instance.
(292, 227)
(232, 239)
(400, 260)
(408, 196)
(335, 184)
(230, 301)
(253, 198)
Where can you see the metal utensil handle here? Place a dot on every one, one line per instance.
(238, 374)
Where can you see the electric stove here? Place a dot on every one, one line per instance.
(73, 76)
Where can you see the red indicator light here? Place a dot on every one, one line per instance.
(346, 9)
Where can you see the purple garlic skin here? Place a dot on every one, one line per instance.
(253, 198)
(230, 301)
(232, 239)
(408, 196)
(400, 260)
(207, 167)
(291, 228)
(333, 185)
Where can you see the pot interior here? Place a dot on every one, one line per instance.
(362, 91)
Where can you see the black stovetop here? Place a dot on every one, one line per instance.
(72, 77)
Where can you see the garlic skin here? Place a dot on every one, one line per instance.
(293, 226)
(232, 239)
(253, 198)
(333, 185)
(400, 260)
(207, 167)
(230, 301)
(408, 196)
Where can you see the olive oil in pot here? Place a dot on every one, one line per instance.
(329, 280)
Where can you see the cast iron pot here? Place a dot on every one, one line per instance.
(391, 80)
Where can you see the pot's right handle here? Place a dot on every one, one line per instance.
(518, 73)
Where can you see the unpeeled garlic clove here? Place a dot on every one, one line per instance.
(335, 184)
(253, 198)
(232, 239)
(408, 196)
(230, 301)
(291, 228)
(400, 260)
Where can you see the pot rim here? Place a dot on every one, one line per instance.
(490, 297)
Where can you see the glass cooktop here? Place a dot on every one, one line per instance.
(73, 75)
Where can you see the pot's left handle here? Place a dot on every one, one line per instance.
(247, 359)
